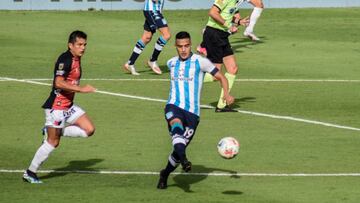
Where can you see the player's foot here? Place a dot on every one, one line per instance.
(201, 50)
(131, 69)
(251, 36)
(154, 67)
(31, 177)
(186, 165)
(225, 109)
(162, 184)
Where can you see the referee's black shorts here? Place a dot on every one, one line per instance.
(217, 44)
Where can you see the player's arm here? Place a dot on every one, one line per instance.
(214, 13)
(60, 83)
(225, 85)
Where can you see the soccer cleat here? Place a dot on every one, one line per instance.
(162, 184)
(31, 177)
(154, 67)
(201, 50)
(225, 109)
(251, 36)
(130, 69)
(186, 165)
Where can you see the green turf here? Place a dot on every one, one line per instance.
(132, 135)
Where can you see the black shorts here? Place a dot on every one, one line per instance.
(154, 21)
(189, 120)
(217, 44)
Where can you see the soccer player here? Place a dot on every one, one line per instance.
(182, 110)
(62, 116)
(154, 20)
(216, 41)
(255, 15)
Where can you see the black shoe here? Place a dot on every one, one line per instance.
(225, 109)
(186, 165)
(162, 184)
(31, 177)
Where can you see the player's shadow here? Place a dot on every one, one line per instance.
(84, 165)
(240, 44)
(238, 102)
(200, 173)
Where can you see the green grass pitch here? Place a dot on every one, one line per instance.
(309, 58)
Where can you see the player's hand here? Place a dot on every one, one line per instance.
(233, 29)
(87, 89)
(229, 99)
(245, 21)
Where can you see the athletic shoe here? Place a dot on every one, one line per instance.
(31, 177)
(154, 67)
(162, 184)
(225, 109)
(201, 50)
(186, 165)
(130, 69)
(251, 36)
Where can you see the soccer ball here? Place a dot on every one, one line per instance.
(228, 147)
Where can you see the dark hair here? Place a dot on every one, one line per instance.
(183, 35)
(76, 34)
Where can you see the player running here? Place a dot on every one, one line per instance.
(154, 20)
(255, 15)
(62, 116)
(182, 110)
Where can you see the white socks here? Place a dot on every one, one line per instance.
(40, 156)
(74, 131)
(255, 14)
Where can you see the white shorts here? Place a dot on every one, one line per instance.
(59, 118)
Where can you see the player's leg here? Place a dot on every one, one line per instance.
(255, 15)
(80, 123)
(138, 49)
(55, 121)
(173, 163)
(160, 43)
(231, 68)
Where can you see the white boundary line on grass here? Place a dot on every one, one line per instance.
(194, 174)
(206, 106)
(237, 80)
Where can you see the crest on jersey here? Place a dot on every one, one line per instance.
(61, 66)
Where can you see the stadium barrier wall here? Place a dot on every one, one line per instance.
(169, 4)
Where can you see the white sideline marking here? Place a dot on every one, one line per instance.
(207, 106)
(195, 174)
(237, 80)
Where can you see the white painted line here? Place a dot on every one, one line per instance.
(210, 107)
(192, 174)
(237, 80)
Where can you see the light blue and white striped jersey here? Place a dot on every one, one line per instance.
(186, 79)
(153, 5)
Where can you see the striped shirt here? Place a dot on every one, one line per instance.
(154, 5)
(186, 81)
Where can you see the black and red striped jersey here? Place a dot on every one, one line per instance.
(68, 67)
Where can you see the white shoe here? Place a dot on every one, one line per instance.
(154, 67)
(130, 69)
(251, 35)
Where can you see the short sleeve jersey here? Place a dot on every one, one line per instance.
(227, 8)
(186, 79)
(68, 67)
(153, 5)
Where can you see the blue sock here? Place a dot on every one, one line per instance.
(139, 47)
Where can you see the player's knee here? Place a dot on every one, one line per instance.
(53, 142)
(232, 70)
(166, 36)
(90, 131)
(146, 38)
